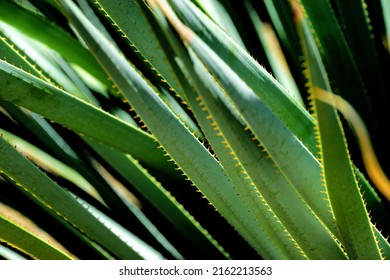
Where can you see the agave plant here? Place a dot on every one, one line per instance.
(203, 129)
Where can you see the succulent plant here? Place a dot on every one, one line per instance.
(203, 129)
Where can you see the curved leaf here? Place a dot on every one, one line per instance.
(58, 202)
(51, 35)
(346, 202)
(25, 90)
(27, 242)
(270, 92)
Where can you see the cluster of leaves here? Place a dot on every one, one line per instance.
(135, 129)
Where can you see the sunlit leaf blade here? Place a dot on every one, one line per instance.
(279, 142)
(357, 24)
(257, 228)
(177, 140)
(159, 197)
(146, 52)
(281, 15)
(52, 36)
(50, 164)
(41, 129)
(275, 55)
(257, 170)
(39, 60)
(138, 245)
(259, 221)
(163, 134)
(58, 202)
(219, 14)
(345, 200)
(27, 242)
(114, 200)
(271, 93)
(10, 254)
(348, 81)
(27, 91)
(260, 171)
(386, 15)
(130, 20)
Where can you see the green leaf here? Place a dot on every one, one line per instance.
(351, 215)
(271, 93)
(217, 12)
(41, 61)
(58, 202)
(274, 53)
(346, 202)
(248, 165)
(145, 51)
(386, 15)
(355, 23)
(130, 20)
(261, 230)
(41, 129)
(359, 29)
(348, 81)
(27, 242)
(257, 168)
(281, 16)
(10, 254)
(115, 201)
(50, 164)
(138, 245)
(25, 90)
(194, 160)
(160, 198)
(51, 35)
(291, 156)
